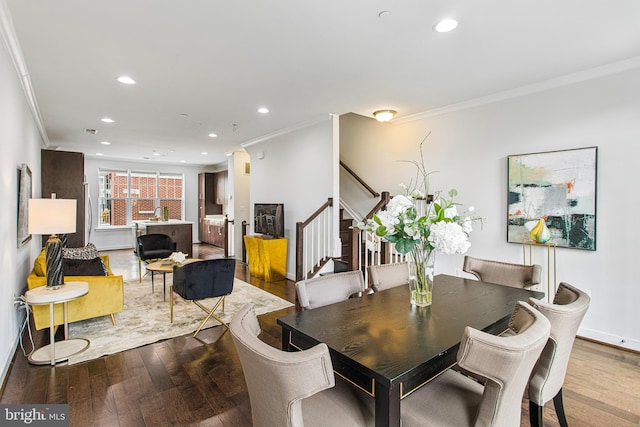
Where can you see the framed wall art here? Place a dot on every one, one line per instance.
(24, 194)
(558, 186)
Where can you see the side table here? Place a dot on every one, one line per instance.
(62, 350)
(549, 245)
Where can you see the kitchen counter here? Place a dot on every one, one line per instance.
(180, 231)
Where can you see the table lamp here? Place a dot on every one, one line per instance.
(53, 216)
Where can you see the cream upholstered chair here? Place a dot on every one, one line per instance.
(506, 362)
(329, 289)
(503, 273)
(292, 389)
(385, 276)
(565, 314)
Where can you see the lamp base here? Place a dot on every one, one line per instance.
(55, 277)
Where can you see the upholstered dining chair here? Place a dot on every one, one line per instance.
(506, 362)
(503, 273)
(293, 389)
(385, 276)
(329, 289)
(203, 279)
(152, 247)
(569, 306)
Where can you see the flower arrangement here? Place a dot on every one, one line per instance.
(420, 226)
(177, 258)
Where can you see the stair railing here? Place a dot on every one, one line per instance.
(314, 241)
(229, 244)
(360, 180)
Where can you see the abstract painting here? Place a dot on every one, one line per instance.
(558, 186)
(24, 194)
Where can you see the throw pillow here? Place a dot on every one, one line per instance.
(83, 267)
(88, 252)
(40, 264)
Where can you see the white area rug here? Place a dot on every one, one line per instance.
(145, 317)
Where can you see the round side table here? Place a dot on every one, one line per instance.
(61, 350)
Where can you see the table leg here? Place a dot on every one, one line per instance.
(153, 288)
(52, 335)
(285, 340)
(171, 303)
(164, 286)
(387, 405)
(66, 321)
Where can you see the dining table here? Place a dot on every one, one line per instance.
(388, 348)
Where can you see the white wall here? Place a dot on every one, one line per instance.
(20, 143)
(122, 238)
(297, 169)
(469, 148)
(239, 188)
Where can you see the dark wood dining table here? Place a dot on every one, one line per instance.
(387, 348)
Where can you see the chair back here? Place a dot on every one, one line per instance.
(204, 279)
(506, 362)
(385, 276)
(569, 306)
(277, 381)
(329, 289)
(503, 273)
(155, 245)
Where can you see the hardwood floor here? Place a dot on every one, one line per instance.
(186, 381)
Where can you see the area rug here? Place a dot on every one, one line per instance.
(145, 317)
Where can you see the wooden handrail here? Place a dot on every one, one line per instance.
(384, 200)
(300, 226)
(360, 180)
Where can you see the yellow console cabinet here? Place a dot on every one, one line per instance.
(267, 257)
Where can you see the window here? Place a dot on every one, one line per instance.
(127, 196)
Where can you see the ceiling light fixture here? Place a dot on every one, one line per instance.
(99, 154)
(213, 135)
(126, 80)
(107, 120)
(105, 143)
(384, 115)
(263, 110)
(204, 153)
(445, 25)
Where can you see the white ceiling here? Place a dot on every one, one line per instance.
(218, 61)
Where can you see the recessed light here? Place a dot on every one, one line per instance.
(213, 135)
(156, 154)
(445, 25)
(204, 153)
(107, 120)
(263, 110)
(126, 80)
(99, 154)
(105, 143)
(183, 161)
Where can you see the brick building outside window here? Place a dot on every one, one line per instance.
(127, 196)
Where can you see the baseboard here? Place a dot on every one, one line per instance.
(614, 340)
(8, 363)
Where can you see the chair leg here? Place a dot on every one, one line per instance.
(557, 403)
(113, 319)
(535, 414)
(210, 314)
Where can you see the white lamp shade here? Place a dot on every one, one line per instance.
(52, 216)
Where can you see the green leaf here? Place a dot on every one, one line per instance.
(453, 192)
(405, 246)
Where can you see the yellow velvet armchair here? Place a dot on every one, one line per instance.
(105, 297)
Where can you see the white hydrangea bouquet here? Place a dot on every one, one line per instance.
(420, 227)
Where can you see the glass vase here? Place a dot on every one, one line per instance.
(421, 269)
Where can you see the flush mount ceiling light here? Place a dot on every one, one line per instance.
(126, 80)
(384, 115)
(445, 25)
(263, 110)
(107, 120)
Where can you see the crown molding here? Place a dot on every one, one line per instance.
(12, 44)
(286, 130)
(593, 73)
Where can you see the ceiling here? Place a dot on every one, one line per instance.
(206, 66)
